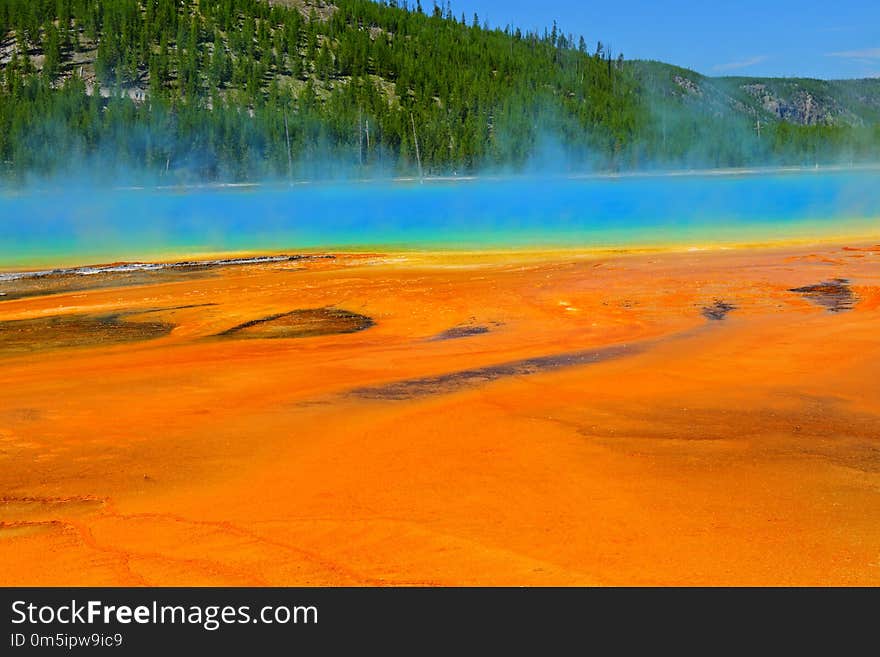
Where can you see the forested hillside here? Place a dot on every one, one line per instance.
(248, 89)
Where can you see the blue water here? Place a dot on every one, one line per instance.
(75, 225)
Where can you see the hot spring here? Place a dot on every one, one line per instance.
(76, 224)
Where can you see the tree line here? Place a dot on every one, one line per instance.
(241, 89)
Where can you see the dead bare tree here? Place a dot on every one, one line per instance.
(418, 154)
(289, 158)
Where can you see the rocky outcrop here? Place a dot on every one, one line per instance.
(801, 107)
(799, 101)
(688, 85)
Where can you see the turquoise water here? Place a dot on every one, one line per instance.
(77, 225)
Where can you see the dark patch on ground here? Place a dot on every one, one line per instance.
(30, 500)
(302, 323)
(835, 295)
(22, 336)
(77, 279)
(453, 381)
(62, 283)
(717, 310)
(463, 331)
(817, 427)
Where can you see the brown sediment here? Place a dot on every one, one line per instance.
(302, 323)
(717, 310)
(29, 505)
(822, 428)
(19, 336)
(463, 331)
(454, 381)
(120, 274)
(835, 295)
(23, 288)
(745, 453)
(7, 500)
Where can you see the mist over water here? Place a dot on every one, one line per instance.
(69, 225)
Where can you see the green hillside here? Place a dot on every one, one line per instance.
(248, 89)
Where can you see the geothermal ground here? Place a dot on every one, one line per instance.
(446, 418)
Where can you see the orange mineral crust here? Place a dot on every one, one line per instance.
(662, 418)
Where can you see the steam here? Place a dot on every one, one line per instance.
(560, 189)
(75, 223)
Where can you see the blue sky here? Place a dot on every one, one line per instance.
(808, 38)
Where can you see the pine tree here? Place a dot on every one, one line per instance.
(52, 59)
